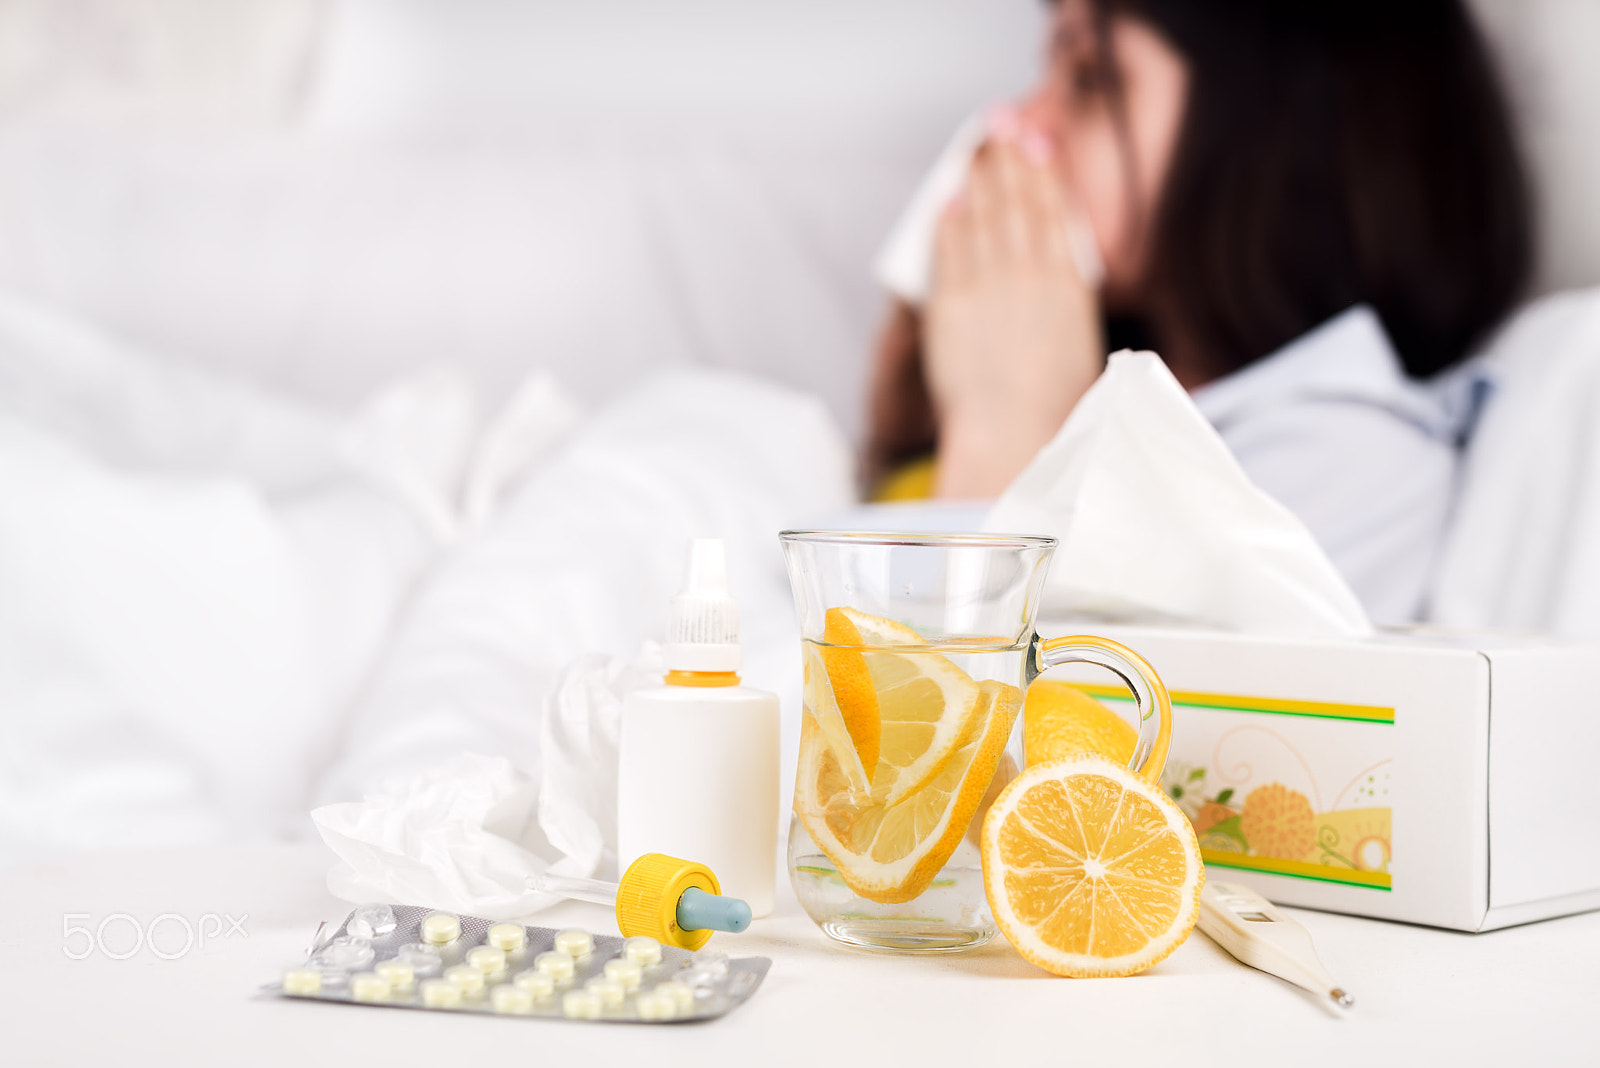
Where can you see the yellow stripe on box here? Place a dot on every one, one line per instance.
(1272, 705)
(1298, 869)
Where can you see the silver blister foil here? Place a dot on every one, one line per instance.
(703, 985)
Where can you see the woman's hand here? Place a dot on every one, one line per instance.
(1011, 331)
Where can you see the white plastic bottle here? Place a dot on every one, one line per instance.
(697, 776)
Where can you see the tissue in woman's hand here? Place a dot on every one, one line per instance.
(1157, 521)
(905, 263)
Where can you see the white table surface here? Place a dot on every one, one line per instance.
(1528, 995)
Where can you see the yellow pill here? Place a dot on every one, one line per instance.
(440, 994)
(557, 966)
(487, 959)
(302, 982)
(441, 928)
(581, 1005)
(654, 1006)
(369, 986)
(465, 978)
(625, 972)
(539, 984)
(574, 942)
(511, 1000)
(682, 994)
(400, 976)
(642, 950)
(609, 991)
(507, 937)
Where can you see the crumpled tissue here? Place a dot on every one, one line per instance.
(468, 835)
(1157, 522)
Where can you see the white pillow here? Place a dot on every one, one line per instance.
(1524, 546)
(601, 189)
(892, 74)
(1547, 54)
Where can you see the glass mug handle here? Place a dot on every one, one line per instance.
(1154, 703)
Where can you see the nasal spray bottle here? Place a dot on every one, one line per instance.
(698, 769)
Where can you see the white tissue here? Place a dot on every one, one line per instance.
(460, 837)
(468, 835)
(1157, 522)
(905, 263)
(578, 747)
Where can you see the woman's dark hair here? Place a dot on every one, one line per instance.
(1330, 154)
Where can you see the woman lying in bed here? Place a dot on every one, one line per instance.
(1309, 210)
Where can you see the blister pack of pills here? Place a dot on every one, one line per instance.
(401, 956)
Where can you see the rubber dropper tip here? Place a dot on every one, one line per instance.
(700, 911)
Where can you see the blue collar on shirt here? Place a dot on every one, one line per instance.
(1350, 359)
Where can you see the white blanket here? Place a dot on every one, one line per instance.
(199, 576)
(583, 558)
(196, 576)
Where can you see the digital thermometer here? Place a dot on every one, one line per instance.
(1252, 929)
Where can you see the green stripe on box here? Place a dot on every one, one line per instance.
(1271, 705)
(1298, 869)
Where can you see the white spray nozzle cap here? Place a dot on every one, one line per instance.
(703, 620)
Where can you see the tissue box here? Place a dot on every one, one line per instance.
(1427, 776)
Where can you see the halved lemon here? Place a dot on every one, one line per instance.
(1090, 870)
(924, 704)
(890, 853)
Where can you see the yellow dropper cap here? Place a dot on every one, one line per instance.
(648, 895)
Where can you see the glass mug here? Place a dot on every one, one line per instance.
(918, 649)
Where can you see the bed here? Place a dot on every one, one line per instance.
(295, 297)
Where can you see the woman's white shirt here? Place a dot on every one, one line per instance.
(1365, 456)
